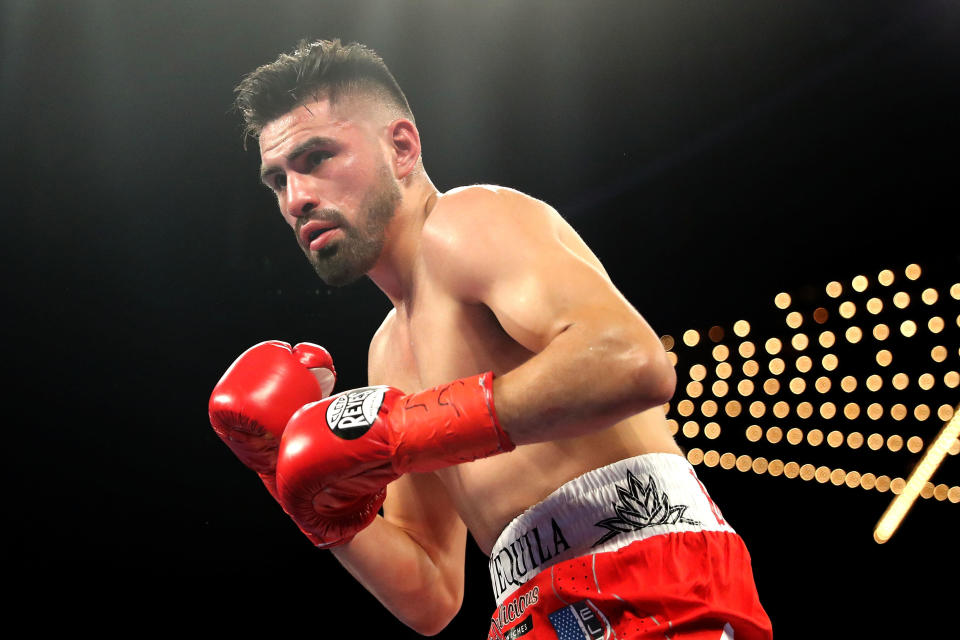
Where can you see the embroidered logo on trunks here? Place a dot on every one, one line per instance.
(350, 415)
(640, 507)
(528, 551)
(578, 622)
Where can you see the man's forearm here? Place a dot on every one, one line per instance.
(418, 589)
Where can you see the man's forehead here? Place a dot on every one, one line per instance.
(314, 115)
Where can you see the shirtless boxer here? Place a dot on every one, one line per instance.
(515, 394)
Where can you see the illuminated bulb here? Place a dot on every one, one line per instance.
(852, 479)
(875, 441)
(757, 409)
(804, 364)
(691, 338)
(874, 305)
(685, 408)
(782, 300)
(690, 429)
(927, 491)
(900, 381)
(711, 458)
(771, 386)
(775, 468)
(898, 412)
(874, 382)
(894, 443)
(820, 315)
(901, 299)
(822, 474)
(694, 389)
(935, 324)
(914, 444)
(828, 410)
(884, 357)
(886, 277)
(667, 342)
(673, 426)
(853, 334)
(760, 465)
(921, 412)
(954, 495)
(794, 436)
(791, 470)
(774, 435)
(797, 385)
(720, 388)
(773, 346)
(938, 353)
(695, 456)
(709, 408)
(776, 366)
(733, 408)
(951, 379)
(926, 381)
(855, 440)
(672, 357)
(848, 309)
(908, 328)
(727, 461)
(804, 410)
(875, 411)
(955, 291)
(860, 283)
(800, 341)
(715, 333)
(868, 481)
(929, 296)
(711, 430)
(724, 370)
(940, 493)
(721, 352)
(896, 485)
(883, 484)
(835, 439)
(827, 339)
(834, 289)
(945, 412)
(781, 409)
(912, 271)
(837, 477)
(698, 372)
(747, 349)
(848, 383)
(881, 332)
(822, 384)
(741, 328)
(745, 387)
(851, 411)
(815, 437)
(829, 362)
(744, 463)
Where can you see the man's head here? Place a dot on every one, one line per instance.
(337, 141)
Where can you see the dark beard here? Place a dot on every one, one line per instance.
(348, 258)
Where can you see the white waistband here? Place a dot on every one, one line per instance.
(603, 510)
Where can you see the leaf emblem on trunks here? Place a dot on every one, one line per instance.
(639, 507)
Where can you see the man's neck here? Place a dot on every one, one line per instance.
(394, 271)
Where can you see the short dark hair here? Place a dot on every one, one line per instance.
(325, 68)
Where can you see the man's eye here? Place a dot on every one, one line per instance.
(318, 157)
(279, 182)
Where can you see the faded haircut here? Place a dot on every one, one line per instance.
(314, 70)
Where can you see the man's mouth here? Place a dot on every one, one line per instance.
(314, 235)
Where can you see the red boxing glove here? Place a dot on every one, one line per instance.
(253, 401)
(338, 455)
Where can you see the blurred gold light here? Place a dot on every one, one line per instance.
(919, 477)
(938, 353)
(757, 409)
(741, 328)
(691, 338)
(719, 388)
(883, 484)
(875, 411)
(822, 474)
(727, 461)
(851, 411)
(901, 299)
(800, 341)
(929, 296)
(898, 412)
(900, 381)
(896, 485)
(945, 412)
(822, 384)
(854, 334)
(711, 430)
(834, 289)
(955, 291)
(694, 389)
(827, 339)
(820, 315)
(775, 468)
(940, 493)
(848, 383)
(773, 346)
(673, 426)
(926, 381)
(884, 357)
(760, 465)
(672, 357)
(771, 386)
(804, 364)
(914, 444)
(921, 412)
(690, 429)
(667, 342)
(776, 366)
(828, 410)
(894, 443)
(852, 479)
(855, 440)
(837, 477)
(912, 271)
(695, 456)
(774, 435)
(745, 387)
(744, 463)
(935, 324)
(685, 408)
(860, 283)
(794, 319)
(848, 309)
(709, 408)
(807, 471)
(781, 409)
(835, 439)
(881, 332)
(868, 481)
(794, 436)
(724, 370)
(747, 349)
(733, 408)
(782, 300)
(908, 328)
(814, 437)
(875, 441)
(797, 385)
(829, 362)
(951, 379)
(804, 410)
(791, 469)
(711, 458)
(715, 333)
(885, 278)
(721, 352)
(874, 305)
(874, 382)
(698, 372)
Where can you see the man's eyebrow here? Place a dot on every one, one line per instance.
(299, 150)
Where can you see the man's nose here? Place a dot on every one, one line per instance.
(302, 197)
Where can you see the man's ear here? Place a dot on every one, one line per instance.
(405, 144)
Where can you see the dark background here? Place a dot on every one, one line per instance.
(712, 153)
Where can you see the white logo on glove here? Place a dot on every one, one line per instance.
(350, 415)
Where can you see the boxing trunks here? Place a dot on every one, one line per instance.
(635, 549)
